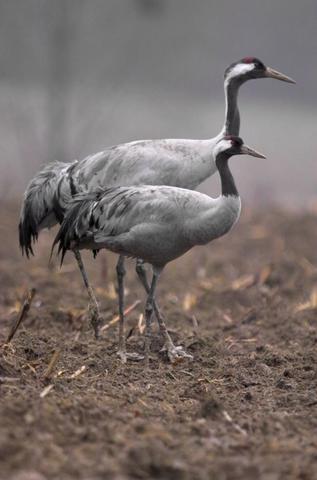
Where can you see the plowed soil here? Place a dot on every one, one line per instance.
(246, 407)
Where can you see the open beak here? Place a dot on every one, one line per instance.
(245, 150)
(269, 72)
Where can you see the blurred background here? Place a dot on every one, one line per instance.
(77, 76)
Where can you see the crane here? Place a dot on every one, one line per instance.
(156, 224)
(177, 162)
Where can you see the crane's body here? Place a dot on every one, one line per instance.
(155, 223)
(177, 162)
(181, 163)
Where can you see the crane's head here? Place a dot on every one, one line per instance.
(230, 145)
(249, 68)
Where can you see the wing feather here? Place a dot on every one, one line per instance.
(108, 217)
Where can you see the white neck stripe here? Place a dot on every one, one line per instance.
(239, 69)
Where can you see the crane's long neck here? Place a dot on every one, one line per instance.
(232, 117)
(222, 213)
(228, 186)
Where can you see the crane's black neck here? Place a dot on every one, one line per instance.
(232, 116)
(228, 187)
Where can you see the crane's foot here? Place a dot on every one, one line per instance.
(176, 354)
(131, 356)
(95, 319)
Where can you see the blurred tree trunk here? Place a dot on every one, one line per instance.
(59, 43)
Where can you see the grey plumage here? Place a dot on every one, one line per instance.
(39, 205)
(176, 162)
(154, 223)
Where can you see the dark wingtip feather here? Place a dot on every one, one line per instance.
(62, 257)
(27, 234)
(39, 203)
(58, 240)
(67, 236)
(66, 233)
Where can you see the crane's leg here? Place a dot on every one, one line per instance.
(149, 306)
(122, 353)
(174, 353)
(95, 317)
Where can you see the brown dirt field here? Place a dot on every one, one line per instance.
(245, 408)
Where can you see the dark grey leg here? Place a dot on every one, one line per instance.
(122, 353)
(174, 353)
(148, 316)
(120, 276)
(95, 317)
(141, 272)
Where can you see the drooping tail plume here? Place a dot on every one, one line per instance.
(39, 207)
(74, 222)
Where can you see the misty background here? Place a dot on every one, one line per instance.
(78, 76)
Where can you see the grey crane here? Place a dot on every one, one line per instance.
(176, 162)
(155, 223)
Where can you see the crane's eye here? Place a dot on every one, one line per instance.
(236, 142)
(259, 65)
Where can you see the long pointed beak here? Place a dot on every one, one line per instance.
(245, 150)
(269, 72)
